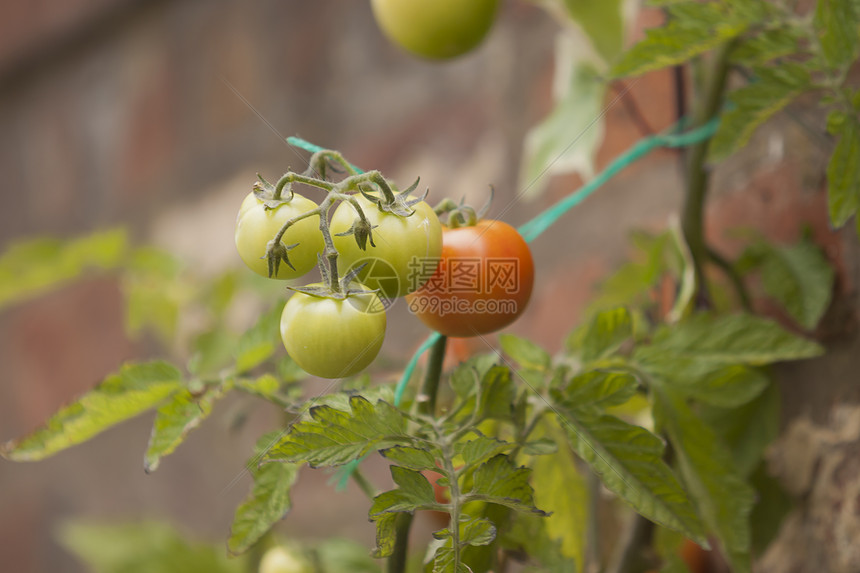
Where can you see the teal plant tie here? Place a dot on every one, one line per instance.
(671, 138)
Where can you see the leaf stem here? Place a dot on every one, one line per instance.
(363, 483)
(592, 540)
(430, 388)
(733, 276)
(426, 405)
(454, 522)
(698, 176)
(397, 560)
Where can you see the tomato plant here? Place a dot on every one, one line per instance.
(400, 245)
(257, 224)
(658, 404)
(482, 284)
(439, 29)
(333, 338)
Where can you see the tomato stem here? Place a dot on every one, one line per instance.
(698, 176)
(426, 405)
(397, 560)
(319, 160)
(363, 483)
(427, 397)
(291, 177)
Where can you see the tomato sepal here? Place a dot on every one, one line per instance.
(346, 284)
(399, 204)
(268, 194)
(276, 253)
(363, 232)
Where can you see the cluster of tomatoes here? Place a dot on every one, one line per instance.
(460, 279)
(437, 29)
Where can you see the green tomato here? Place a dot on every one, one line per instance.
(256, 226)
(280, 560)
(407, 248)
(435, 29)
(333, 338)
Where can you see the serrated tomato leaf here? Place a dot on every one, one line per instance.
(728, 339)
(496, 394)
(499, 481)
(413, 492)
(334, 437)
(629, 461)
(268, 502)
(137, 387)
(602, 388)
(607, 332)
(174, 419)
(722, 496)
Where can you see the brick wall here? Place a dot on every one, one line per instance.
(135, 113)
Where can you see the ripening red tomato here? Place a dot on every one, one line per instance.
(482, 284)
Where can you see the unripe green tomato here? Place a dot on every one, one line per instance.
(333, 338)
(256, 226)
(435, 29)
(398, 264)
(280, 560)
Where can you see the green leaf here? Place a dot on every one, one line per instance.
(527, 536)
(540, 447)
(260, 342)
(30, 268)
(445, 561)
(746, 430)
(341, 400)
(837, 23)
(724, 499)
(268, 502)
(629, 461)
(525, 352)
(473, 531)
(480, 449)
(754, 103)
(727, 386)
(119, 397)
(266, 386)
(607, 332)
(386, 535)
(693, 28)
(464, 380)
(499, 481)
(843, 174)
(154, 292)
(496, 394)
(332, 437)
(567, 139)
(410, 457)
(562, 492)
(603, 22)
(212, 352)
(631, 284)
(144, 547)
(769, 45)
(730, 339)
(800, 278)
(175, 419)
(602, 388)
(773, 504)
(414, 492)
